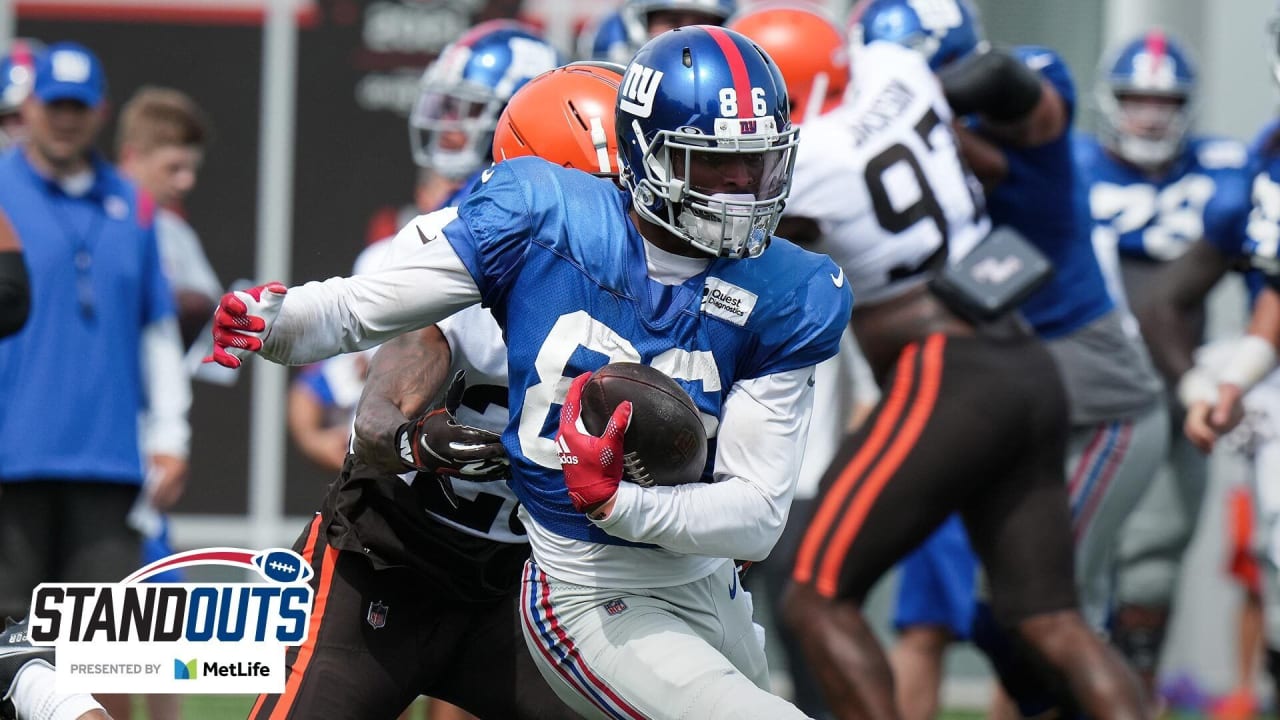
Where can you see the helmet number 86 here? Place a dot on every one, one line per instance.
(729, 102)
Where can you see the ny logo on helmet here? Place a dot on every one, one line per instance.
(638, 90)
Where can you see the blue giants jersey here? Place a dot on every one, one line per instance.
(1040, 198)
(1262, 241)
(1205, 193)
(563, 269)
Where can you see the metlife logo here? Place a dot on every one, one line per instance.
(138, 637)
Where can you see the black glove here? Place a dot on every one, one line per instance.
(435, 442)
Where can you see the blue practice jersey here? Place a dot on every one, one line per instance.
(1040, 199)
(71, 382)
(563, 269)
(1204, 193)
(1262, 234)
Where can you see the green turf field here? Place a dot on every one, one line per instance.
(236, 707)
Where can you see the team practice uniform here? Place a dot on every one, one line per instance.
(924, 453)
(1142, 221)
(537, 244)
(1118, 419)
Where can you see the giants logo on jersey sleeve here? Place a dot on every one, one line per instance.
(727, 301)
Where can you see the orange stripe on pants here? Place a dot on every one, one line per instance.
(832, 502)
(325, 572)
(921, 410)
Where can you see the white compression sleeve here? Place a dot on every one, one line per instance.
(322, 319)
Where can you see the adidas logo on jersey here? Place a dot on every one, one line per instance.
(727, 301)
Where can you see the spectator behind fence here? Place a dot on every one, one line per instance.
(160, 145)
(101, 347)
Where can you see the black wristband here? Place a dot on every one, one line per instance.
(993, 84)
(15, 292)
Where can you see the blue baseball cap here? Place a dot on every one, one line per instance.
(70, 71)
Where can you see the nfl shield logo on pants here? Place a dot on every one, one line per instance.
(377, 615)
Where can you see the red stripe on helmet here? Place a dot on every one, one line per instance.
(737, 69)
(1156, 47)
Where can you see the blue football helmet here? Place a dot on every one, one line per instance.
(464, 91)
(1145, 95)
(942, 30)
(705, 138)
(607, 39)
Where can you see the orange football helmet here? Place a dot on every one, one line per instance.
(809, 49)
(564, 116)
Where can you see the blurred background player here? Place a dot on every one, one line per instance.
(1215, 383)
(322, 403)
(812, 54)
(17, 76)
(462, 94)
(1154, 188)
(391, 524)
(160, 145)
(881, 183)
(460, 97)
(1017, 109)
(616, 36)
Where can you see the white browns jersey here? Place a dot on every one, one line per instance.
(477, 347)
(881, 176)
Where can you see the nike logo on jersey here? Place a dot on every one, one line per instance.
(838, 280)
(486, 174)
(733, 587)
(566, 455)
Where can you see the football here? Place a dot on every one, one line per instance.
(282, 566)
(666, 443)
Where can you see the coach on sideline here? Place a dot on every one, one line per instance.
(100, 347)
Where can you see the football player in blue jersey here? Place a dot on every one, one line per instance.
(1212, 385)
(1017, 107)
(421, 547)
(630, 604)
(1153, 189)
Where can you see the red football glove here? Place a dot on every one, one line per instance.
(592, 465)
(242, 321)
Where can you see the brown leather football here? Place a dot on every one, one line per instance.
(666, 443)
